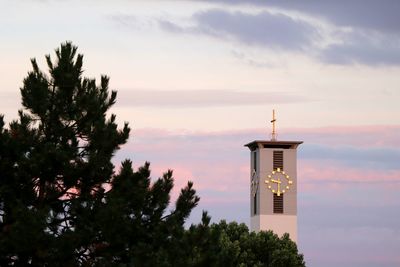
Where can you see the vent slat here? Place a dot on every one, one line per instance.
(278, 203)
(278, 160)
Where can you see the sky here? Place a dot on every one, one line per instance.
(197, 80)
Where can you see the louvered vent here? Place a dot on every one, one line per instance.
(278, 160)
(278, 203)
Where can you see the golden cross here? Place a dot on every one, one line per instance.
(273, 135)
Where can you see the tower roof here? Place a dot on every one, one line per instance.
(273, 144)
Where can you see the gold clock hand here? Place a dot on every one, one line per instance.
(279, 189)
(276, 181)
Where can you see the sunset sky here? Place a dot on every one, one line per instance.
(197, 80)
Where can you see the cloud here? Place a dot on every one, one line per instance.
(276, 31)
(366, 14)
(368, 158)
(202, 98)
(341, 176)
(368, 136)
(370, 39)
(219, 160)
(360, 32)
(364, 48)
(265, 29)
(380, 16)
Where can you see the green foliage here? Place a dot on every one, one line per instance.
(232, 244)
(61, 204)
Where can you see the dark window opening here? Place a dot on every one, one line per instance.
(278, 203)
(255, 160)
(278, 160)
(255, 204)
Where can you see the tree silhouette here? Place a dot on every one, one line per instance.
(56, 169)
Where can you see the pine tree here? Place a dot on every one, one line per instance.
(61, 203)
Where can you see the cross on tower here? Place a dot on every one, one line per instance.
(273, 185)
(273, 135)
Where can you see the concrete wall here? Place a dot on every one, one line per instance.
(265, 219)
(278, 223)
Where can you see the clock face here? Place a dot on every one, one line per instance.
(278, 181)
(254, 183)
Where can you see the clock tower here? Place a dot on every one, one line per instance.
(273, 185)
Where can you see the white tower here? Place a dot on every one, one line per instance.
(273, 194)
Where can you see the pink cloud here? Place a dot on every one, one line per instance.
(203, 98)
(227, 183)
(213, 183)
(217, 162)
(331, 172)
(360, 136)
